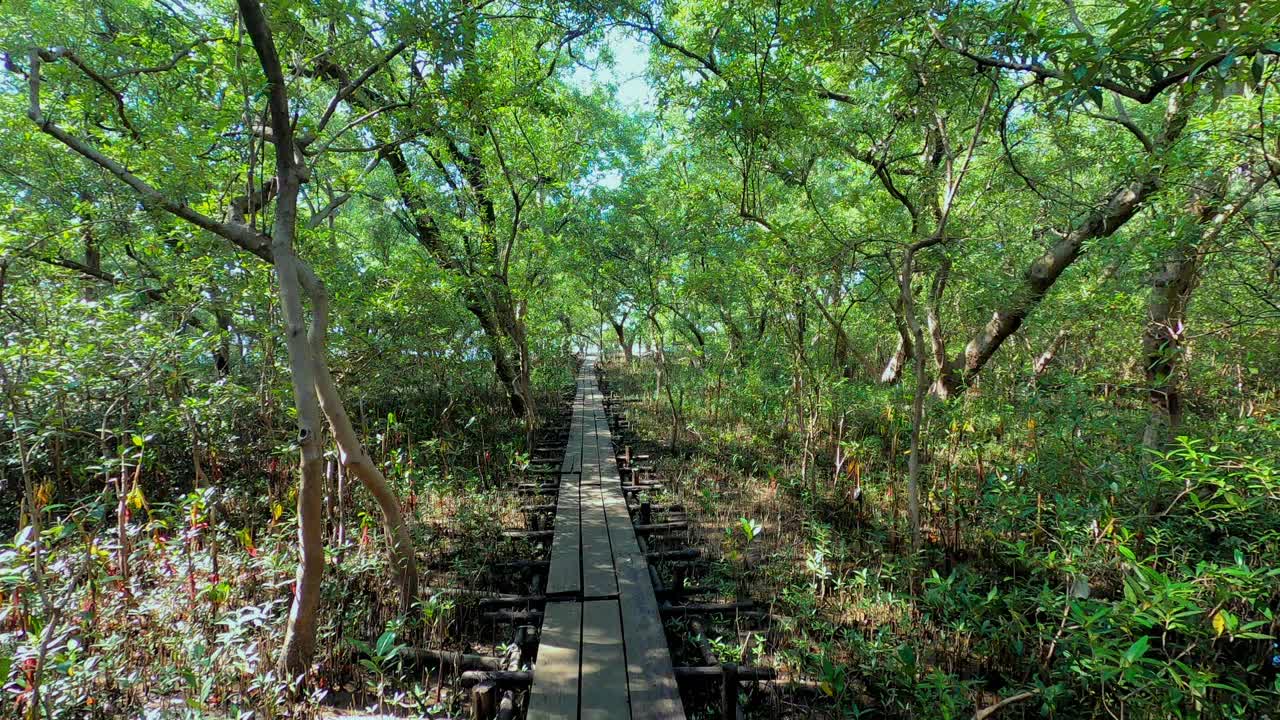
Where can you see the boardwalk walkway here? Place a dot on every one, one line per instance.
(603, 652)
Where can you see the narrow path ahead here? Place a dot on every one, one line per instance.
(603, 652)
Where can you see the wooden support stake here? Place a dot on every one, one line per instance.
(646, 514)
(483, 705)
(729, 691)
(679, 573)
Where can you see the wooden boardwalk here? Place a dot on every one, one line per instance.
(603, 652)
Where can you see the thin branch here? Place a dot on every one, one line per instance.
(104, 83)
(165, 67)
(348, 89)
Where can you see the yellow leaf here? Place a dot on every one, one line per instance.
(826, 688)
(43, 492)
(276, 511)
(1219, 623)
(135, 498)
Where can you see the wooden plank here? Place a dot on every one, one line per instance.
(556, 675)
(590, 445)
(598, 577)
(565, 573)
(572, 461)
(604, 669)
(651, 681)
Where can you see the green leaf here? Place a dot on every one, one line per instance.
(1137, 650)
(386, 644)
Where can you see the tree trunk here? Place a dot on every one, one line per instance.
(932, 321)
(513, 329)
(1042, 362)
(1171, 285)
(620, 329)
(312, 383)
(300, 633)
(917, 397)
(350, 450)
(502, 365)
(902, 352)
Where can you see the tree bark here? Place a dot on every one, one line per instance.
(1171, 285)
(932, 320)
(300, 633)
(917, 397)
(309, 370)
(502, 365)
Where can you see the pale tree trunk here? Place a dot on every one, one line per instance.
(902, 352)
(352, 453)
(1045, 359)
(917, 396)
(300, 633)
(942, 212)
(932, 321)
